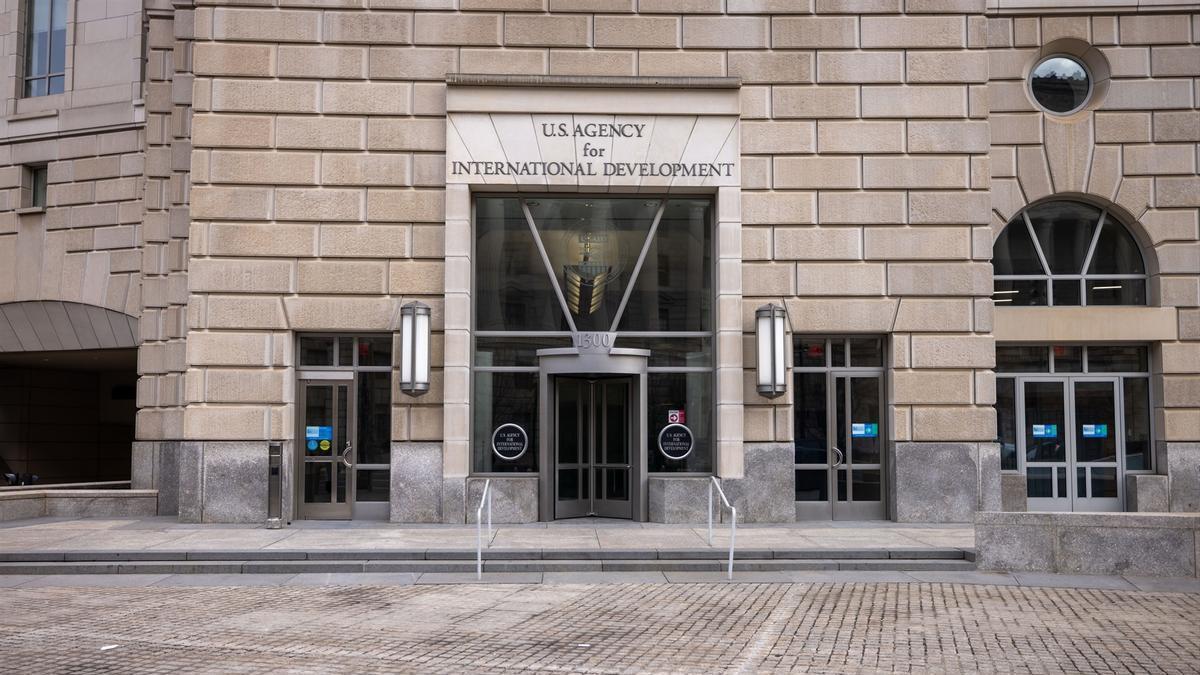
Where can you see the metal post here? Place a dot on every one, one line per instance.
(274, 486)
(732, 539)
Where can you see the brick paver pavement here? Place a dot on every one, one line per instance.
(746, 627)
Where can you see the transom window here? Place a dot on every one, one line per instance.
(1067, 253)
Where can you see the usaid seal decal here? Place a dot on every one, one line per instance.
(509, 442)
(675, 441)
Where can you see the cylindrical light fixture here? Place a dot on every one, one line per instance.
(770, 330)
(414, 348)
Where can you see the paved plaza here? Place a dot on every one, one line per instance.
(701, 627)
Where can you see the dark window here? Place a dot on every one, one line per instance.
(504, 398)
(1067, 253)
(45, 47)
(692, 393)
(1060, 84)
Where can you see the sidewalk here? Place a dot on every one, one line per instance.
(167, 534)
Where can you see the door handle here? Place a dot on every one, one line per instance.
(841, 457)
(345, 456)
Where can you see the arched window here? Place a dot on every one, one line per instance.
(1067, 253)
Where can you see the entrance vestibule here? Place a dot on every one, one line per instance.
(593, 447)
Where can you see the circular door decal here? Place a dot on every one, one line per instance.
(675, 441)
(324, 445)
(509, 442)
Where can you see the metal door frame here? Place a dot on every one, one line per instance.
(1060, 502)
(1079, 503)
(334, 510)
(850, 509)
(571, 361)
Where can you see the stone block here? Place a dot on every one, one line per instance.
(1151, 29)
(1014, 548)
(927, 315)
(677, 500)
(851, 67)
(1014, 494)
(814, 173)
(814, 32)
(416, 488)
(257, 25)
(915, 172)
(366, 98)
(1177, 125)
(771, 67)
(589, 62)
(749, 32)
(325, 61)
(777, 136)
(371, 241)
(817, 243)
(290, 96)
(946, 279)
(949, 136)
(514, 500)
(684, 64)
(320, 133)
(642, 32)
(525, 30)
(235, 482)
(832, 279)
(937, 482)
(861, 208)
(235, 166)
(783, 208)
(389, 170)
(1133, 551)
(454, 500)
(917, 243)
(907, 32)
(835, 136)
(190, 506)
(431, 28)
(947, 66)
(1147, 493)
(903, 102)
(766, 492)
(215, 58)
(340, 276)
(815, 102)
(1183, 469)
(418, 63)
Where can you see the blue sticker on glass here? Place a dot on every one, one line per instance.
(1045, 431)
(318, 433)
(1095, 431)
(312, 446)
(864, 430)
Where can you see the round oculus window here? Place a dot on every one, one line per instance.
(1060, 84)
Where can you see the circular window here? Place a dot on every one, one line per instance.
(1060, 84)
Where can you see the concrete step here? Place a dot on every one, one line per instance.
(245, 566)
(495, 554)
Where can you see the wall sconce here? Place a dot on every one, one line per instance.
(414, 348)
(769, 332)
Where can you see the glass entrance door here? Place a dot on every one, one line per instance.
(326, 449)
(839, 446)
(1071, 438)
(593, 441)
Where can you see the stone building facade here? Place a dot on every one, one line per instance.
(259, 188)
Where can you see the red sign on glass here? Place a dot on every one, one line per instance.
(676, 417)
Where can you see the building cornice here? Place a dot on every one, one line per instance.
(1041, 7)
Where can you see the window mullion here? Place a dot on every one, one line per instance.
(1087, 260)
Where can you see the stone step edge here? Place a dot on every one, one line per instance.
(489, 554)
(419, 566)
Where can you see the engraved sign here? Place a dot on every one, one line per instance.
(597, 342)
(675, 441)
(510, 441)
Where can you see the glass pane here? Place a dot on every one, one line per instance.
(841, 485)
(691, 393)
(341, 482)
(1011, 359)
(1095, 422)
(812, 485)
(374, 418)
(1064, 230)
(839, 414)
(1006, 422)
(672, 352)
(1116, 291)
(318, 482)
(316, 351)
(1060, 476)
(1060, 84)
(1081, 483)
(375, 351)
(1068, 359)
(1045, 422)
(568, 484)
(37, 38)
(568, 443)
(1117, 359)
(1137, 423)
(1104, 482)
(514, 351)
(809, 414)
(1067, 292)
(864, 421)
(1020, 292)
(372, 485)
(1013, 252)
(837, 353)
(616, 421)
(35, 87)
(58, 36)
(616, 484)
(39, 186)
(674, 288)
(341, 424)
(866, 353)
(345, 352)
(512, 289)
(1116, 251)
(1039, 482)
(584, 481)
(504, 398)
(318, 420)
(866, 485)
(593, 245)
(810, 352)
(56, 84)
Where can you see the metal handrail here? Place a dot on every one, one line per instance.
(485, 498)
(732, 522)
